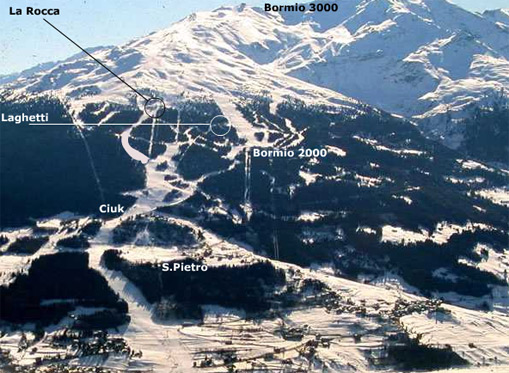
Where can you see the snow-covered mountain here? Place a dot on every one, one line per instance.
(499, 16)
(416, 58)
(210, 53)
(386, 252)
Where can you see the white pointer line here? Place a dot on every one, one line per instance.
(119, 124)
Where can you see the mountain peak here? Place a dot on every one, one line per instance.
(499, 16)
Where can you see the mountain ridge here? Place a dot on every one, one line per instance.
(426, 60)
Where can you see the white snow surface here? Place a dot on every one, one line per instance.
(420, 59)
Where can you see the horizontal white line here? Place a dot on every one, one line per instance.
(119, 124)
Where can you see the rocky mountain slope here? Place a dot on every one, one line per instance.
(499, 16)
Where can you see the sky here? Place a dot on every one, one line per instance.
(27, 41)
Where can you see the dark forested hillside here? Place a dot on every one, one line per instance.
(48, 169)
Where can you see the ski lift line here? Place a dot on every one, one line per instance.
(96, 60)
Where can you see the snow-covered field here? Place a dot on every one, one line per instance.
(348, 336)
(443, 231)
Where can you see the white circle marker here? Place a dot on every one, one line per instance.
(155, 107)
(220, 125)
